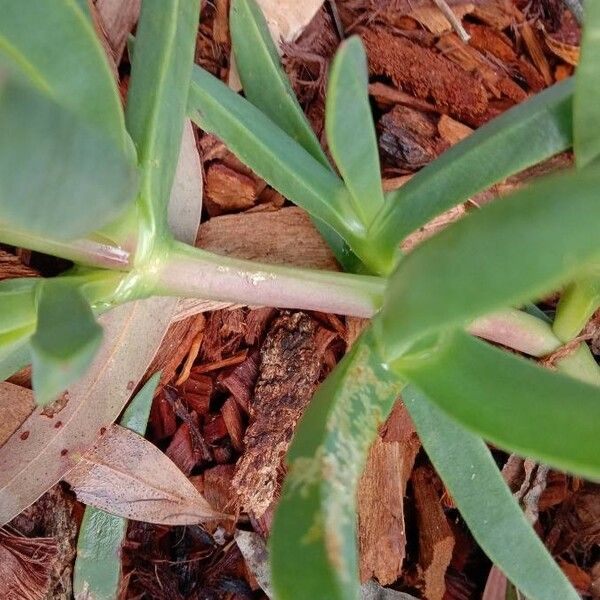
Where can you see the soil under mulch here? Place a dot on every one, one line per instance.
(227, 416)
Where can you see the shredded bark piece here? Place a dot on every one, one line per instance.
(288, 376)
(25, 566)
(436, 540)
(425, 74)
(381, 530)
(11, 267)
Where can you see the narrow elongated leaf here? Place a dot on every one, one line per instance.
(350, 129)
(512, 402)
(494, 258)
(494, 518)
(60, 176)
(65, 341)
(586, 104)
(54, 45)
(268, 88)
(277, 158)
(519, 138)
(97, 570)
(313, 542)
(44, 448)
(158, 91)
(265, 83)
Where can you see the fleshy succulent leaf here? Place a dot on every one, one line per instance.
(97, 570)
(586, 104)
(494, 258)
(157, 99)
(61, 177)
(65, 341)
(313, 542)
(499, 396)
(350, 129)
(469, 471)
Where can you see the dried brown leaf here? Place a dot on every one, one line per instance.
(126, 475)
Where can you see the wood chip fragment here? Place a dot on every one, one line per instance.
(11, 267)
(408, 138)
(567, 52)
(436, 541)
(425, 74)
(283, 237)
(452, 131)
(536, 52)
(381, 529)
(233, 421)
(227, 190)
(288, 376)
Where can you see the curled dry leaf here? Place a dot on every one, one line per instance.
(49, 443)
(126, 475)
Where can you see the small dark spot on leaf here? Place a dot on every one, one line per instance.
(58, 424)
(102, 430)
(130, 385)
(64, 452)
(25, 435)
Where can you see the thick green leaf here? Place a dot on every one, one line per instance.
(54, 45)
(586, 104)
(267, 87)
(512, 402)
(265, 83)
(278, 159)
(494, 258)
(313, 542)
(157, 99)
(65, 341)
(14, 353)
(485, 502)
(519, 138)
(59, 176)
(17, 303)
(97, 571)
(350, 129)
(577, 304)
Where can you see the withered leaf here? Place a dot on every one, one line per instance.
(126, 475)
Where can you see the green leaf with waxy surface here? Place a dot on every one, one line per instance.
(268, 88)
(97, 570)
(521, 137)
(157, 99)
(494, 518)
(265, 83)
(54, 45)
(499, 396)
(350, 129)
(586, 104)
(59, 175)
(278, 159)
(17, 304)
(313, 542)
(65, 341)
(494, 258)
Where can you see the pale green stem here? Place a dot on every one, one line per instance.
(577, 305)
(191, 272)
(86, 252)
